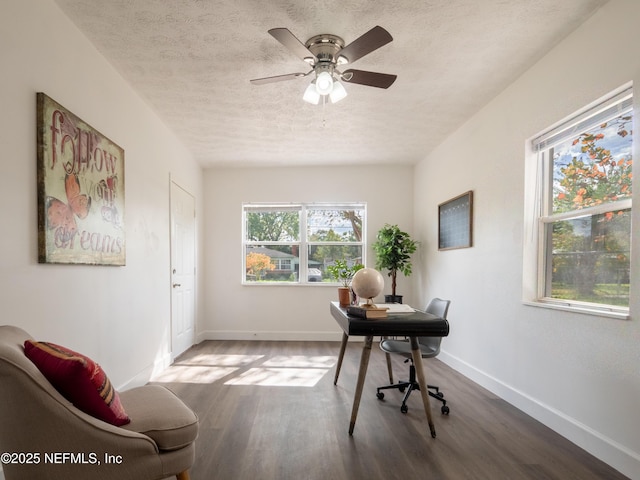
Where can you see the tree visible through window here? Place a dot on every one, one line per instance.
(585, 206)
(300, 241)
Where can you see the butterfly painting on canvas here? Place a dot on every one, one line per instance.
(61, 215)
(80, 190)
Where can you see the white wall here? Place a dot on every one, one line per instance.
(118, 315)
(577, 373)
(299, 312)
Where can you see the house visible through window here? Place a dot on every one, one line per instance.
(290, 243)
(582, 227)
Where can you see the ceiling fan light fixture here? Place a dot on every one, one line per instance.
(338, 92)
(324, 83)
(311, 95)
(324, 53)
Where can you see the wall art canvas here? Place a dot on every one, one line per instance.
(80, 190)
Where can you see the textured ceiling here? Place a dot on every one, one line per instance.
(192, 60)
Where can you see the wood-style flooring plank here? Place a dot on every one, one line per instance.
(288, 431)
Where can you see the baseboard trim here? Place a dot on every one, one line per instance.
(609, 451)
(143, 377)
(272, 336)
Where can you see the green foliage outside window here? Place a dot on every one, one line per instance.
(595, 175)
(591, 252)
(333, 232)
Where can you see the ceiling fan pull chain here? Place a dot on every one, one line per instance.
(324, 103)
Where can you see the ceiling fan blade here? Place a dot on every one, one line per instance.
(365, 44)
(289, 40)
(277, 78)
(371, 79)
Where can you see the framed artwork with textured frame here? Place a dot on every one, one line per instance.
(80, 190)
(455, 222)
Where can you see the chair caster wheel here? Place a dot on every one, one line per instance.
(404, 409)
(380, 395)
(401, 389)
(440, 395)
(445, 410)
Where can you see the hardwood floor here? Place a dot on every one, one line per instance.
(270, 411)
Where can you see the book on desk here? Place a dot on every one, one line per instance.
(381, 310)
(366, 312)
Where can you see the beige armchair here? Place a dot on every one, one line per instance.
(44, 437)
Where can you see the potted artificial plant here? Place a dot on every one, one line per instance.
(393, 249)
(343, 274)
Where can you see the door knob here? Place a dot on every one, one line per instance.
(176, 285)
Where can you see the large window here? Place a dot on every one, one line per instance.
(295, 243)
(582, 224)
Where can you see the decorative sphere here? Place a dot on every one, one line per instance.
(367, 283)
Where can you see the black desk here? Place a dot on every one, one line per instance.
(412, 325)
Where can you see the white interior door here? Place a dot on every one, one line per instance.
(183, 270)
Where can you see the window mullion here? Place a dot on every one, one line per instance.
(303, 254)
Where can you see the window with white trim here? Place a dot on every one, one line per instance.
(582, 223)
(294, 243)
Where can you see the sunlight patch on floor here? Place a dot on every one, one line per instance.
(279, 377)
(301, 361)
(280, 370)
(220, 360)
(193, 374)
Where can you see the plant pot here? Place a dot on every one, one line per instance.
(344, 296)
(393, 299)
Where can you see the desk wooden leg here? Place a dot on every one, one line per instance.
(389, 369)
(417, 362)
(364, 363)
(343, 347)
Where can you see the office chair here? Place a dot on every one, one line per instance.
(429, 347)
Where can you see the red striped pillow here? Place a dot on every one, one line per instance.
(79, 379)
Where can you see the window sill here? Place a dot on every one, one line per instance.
(620, 314)
(290, 284)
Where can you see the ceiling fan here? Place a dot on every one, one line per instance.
(325, 53)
